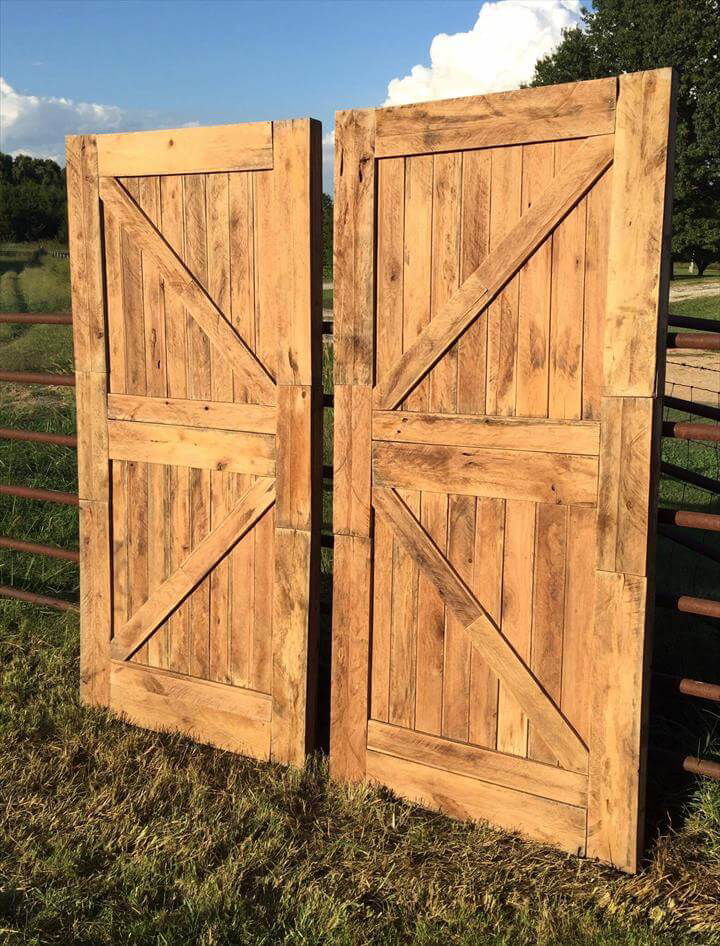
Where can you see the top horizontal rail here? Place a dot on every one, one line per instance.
(690, 321)
(36, 318)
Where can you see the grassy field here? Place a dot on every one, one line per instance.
(110, 835)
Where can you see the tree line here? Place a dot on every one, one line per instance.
(33, 199)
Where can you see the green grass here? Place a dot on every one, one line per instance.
(681, 275)
(109, 834)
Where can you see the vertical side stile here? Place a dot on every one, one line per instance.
(296, 186)
(91, 392)
(353, 375)
(634, 339)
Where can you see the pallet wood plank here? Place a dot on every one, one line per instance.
(480, 430)
(243, 147)
(572, 110)
(560, 825)
(506, 474)
(635, 328)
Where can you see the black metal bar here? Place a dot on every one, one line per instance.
(690, 543)
(327, 327)
(689, 476)
(328, 400)
(691, 321)
(327, 541)
(690, 407)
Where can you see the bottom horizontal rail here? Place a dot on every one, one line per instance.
(32, 598)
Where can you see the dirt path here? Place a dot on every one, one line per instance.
(678, 292)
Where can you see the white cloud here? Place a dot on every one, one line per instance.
(37, 125)
(497, 54)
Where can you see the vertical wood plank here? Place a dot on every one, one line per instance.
(577, 623)
(403, 650)
(551, 567)
(518, 568)
(417, 273)
(616, 773)
(533, 339)
(502, 314)
(354, 297)
(89, 337)
(445, 269)
(354, 245)
(634, 338)
(199, 386)
(596, 267)
(431, 624)
(242, 585)
(242, 267)
(567, 305)
(487, 584)
(456, 671)
(475, 241)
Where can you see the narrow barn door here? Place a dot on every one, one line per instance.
(500, 269)
(197, 315)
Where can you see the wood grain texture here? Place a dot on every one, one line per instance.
(89, 340)
(211, 251)
(224, 716)
(475, 471)
(548, 821)
(246, 147)
(634, 337)
(546, 114)
(512, 469)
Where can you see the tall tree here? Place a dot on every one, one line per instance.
(631, 35)
(33, 201)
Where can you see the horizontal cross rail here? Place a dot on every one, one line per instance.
(36, 377)
(36, 318)
(34, 548)
(705, 607)
(689, 476)
(684, 430)
(687, 687)
(38, 436)
(690, 321)
(704, 341)
(690, 407)
(46, 495)
(32, 598)
(689, 519)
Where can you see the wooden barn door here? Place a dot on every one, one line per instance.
(196, 300)
(499, 272)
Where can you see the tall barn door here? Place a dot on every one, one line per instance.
(500, 264)
(197, 311)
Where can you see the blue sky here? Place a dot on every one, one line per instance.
(160, 63)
